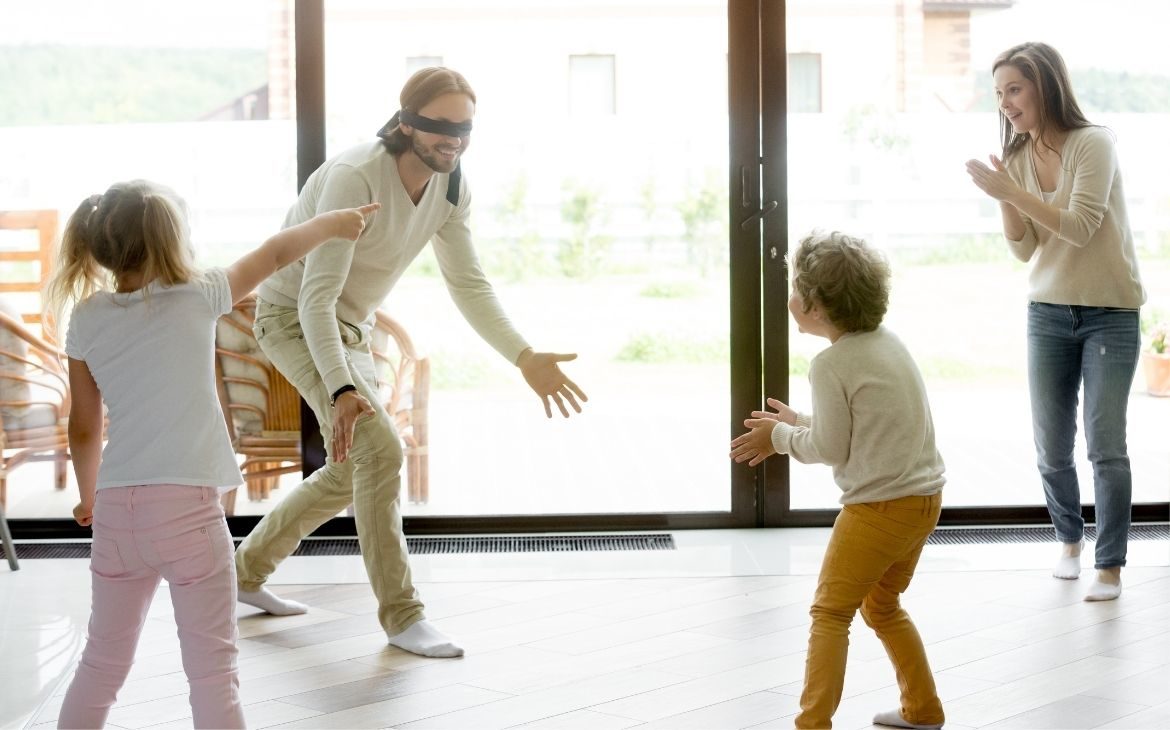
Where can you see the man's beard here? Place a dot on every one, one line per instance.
(432, 160)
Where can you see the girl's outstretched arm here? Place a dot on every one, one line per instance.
(85, 436)
(294, 243)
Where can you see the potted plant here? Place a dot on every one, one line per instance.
(1156, 362)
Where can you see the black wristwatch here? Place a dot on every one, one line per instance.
(337, 393)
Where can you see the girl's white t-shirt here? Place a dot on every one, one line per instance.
(152, 355)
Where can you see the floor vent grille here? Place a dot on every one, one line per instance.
(419, 545)
(992, 535)
(539, 543)
(595, 543)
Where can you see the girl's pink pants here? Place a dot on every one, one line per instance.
(140, 536)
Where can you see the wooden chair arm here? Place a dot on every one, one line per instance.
(17, 328)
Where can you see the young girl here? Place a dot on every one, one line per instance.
(871, 422)
(1059, 190)
(141, 340)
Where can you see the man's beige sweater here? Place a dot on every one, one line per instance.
(871, 421)
(342, 283)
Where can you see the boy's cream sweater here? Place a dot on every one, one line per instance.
(871, 421)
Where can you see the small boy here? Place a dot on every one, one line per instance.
(871, 422)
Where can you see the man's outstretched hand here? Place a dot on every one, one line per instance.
(543, 374)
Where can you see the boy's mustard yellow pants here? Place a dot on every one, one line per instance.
(868, 563)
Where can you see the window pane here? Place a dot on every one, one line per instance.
(414, 63)
(591, 81)
(597, 239)
(908, 98)
(804, 82)
(171, 92)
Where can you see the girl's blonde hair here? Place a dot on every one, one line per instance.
(135, 227)
(847, 278)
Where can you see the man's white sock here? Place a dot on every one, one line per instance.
(425, 640)
(266, 600)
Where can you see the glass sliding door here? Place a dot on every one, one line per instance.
(610, 176)
(96, 93)
(599, 174)
(886, 101)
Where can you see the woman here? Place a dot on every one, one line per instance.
(1063, 208)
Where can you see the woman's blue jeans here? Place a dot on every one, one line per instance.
(1099, 346)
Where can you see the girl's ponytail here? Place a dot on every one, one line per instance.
(76, 273)
(166, 255)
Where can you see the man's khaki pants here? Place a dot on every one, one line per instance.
(369, 478)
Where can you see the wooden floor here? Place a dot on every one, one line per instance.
(1010, 649)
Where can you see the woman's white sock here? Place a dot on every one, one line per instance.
(1069, 566)
(1101, 591)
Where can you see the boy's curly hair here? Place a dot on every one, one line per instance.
(845, 276)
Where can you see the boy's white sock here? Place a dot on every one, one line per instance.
(1069, 565)
(266, 600)
(424, 639)
(1101, 591)
(893, 718)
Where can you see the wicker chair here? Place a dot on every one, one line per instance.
(37, 229)
(34, 403)
(404, 384)
(262, 409)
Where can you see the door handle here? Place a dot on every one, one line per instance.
(770, 206)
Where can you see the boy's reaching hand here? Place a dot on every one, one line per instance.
(783, 412)
(756, 444)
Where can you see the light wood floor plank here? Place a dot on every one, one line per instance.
(259, 714)
(704, 691)
(352, 648)
(1070, 713)
(739, 712)
(733, 655)
(289, 686)
(684, 618)
(1145, 689)
(567, 668)
(1157, 716)
(545, 703)
(1066, 648)
(315, 627)
(582, 720)
(1029, 693)
(402, 711)
(1020, 650)
(531, 633)
(1154, 649)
